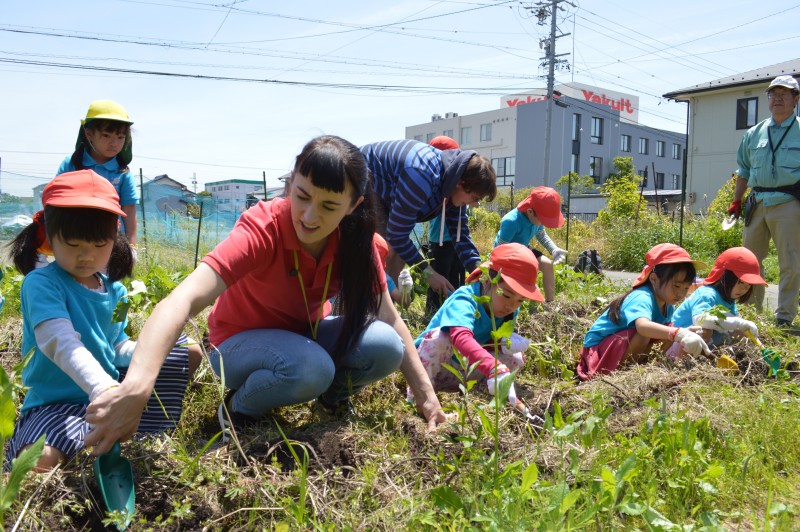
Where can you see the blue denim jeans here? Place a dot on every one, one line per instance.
(269, 368)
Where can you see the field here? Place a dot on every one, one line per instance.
(651, 447)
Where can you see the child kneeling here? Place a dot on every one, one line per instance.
(464, 324)
(641, 317)
(68, 306)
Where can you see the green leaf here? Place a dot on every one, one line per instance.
(121, 311)
(569, 501)
(20, 467)
(609, 482)
(488, 424)
(627, 470)
(446, 497)
(529, 477)
(632, 508)
(7, 407)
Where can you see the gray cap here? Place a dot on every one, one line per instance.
(784, 81)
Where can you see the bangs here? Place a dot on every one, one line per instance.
(325, 168)
(79, 223)
(108, 126)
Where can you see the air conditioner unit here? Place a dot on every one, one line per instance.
(450, 115)
(436, 117)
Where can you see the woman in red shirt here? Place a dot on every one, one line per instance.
(270, 281)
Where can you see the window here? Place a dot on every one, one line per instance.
(466, 136)
(448, 133)
(505, 168)
(227, 187)
(429, 137)
(418, 137)
(486, 132)
(499, 166)
(644, 146)
(660, 180)
(676, 150)
(676, 181)
(597, 130)
(746, 113)
(574, 163)
(596, 169)
(659, 148)
(576, 127)
(625, 143)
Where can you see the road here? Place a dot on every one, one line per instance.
(770, 300)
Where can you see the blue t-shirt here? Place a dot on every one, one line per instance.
(702, 299)
(122, 181)
(462, 310)
(434, 231)
(50, 293)
(640, 303)
(516, 227)
(390, 284)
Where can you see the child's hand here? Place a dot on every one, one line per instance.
(691, 342)
(735, 323)
(514, 344)
(559, 255)
(502, 374)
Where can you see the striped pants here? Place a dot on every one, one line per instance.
(64, 425)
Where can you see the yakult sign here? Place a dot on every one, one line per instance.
(626, 104)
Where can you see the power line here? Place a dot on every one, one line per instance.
(354, 86)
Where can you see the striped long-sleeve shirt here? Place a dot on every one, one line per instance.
(413, 180)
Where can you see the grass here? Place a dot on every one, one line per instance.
(649, 447)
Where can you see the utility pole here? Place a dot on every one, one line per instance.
(550, 59)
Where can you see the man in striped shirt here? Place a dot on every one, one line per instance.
(416, 182)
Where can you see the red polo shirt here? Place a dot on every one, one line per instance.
(256, 262)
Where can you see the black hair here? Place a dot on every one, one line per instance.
(106, 126)
(329, 162)
(74, 223)
(665, 273)
(724, 285)
(480, 178)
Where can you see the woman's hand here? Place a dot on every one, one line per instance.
(432, 410)
(115, 415)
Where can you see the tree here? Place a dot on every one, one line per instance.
(621, 190)
(576, 184)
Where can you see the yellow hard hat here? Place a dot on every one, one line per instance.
(106, 110)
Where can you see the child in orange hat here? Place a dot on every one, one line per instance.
(542, 208)
(80, 348)
(466, 325)
(636, 320)
(730, 281)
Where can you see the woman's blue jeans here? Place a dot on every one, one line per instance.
(269, 368)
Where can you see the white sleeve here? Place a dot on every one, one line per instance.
(124, 351)
(61, 343)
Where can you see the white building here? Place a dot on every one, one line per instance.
(590, 127)
(720, 112)
(231, 194)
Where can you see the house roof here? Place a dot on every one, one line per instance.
(164, 179)
(759, 76)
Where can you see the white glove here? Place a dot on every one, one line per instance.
(691, 342)
(727, 325)
(559, 255)
(518, 344)
(405, 281)
(502, 374)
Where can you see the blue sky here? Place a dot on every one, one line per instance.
(361, 70)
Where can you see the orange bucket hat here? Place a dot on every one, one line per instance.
(740, 261)
(443, 142)
(546, 202)
(665, 254)
(518, 267)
